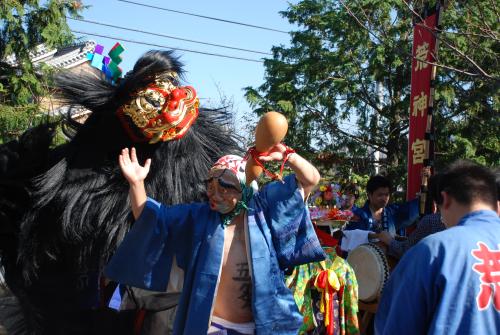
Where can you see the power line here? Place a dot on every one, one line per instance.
(167, 36)
(205, 17)
(167, 47)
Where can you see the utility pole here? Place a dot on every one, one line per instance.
(380, 105)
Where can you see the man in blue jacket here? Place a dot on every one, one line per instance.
(378, 215)
(232, 250)
(449, 283)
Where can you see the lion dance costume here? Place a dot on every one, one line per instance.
(64, 210)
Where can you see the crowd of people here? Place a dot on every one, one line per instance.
(448, 282)
(228, 244)
(444, 283)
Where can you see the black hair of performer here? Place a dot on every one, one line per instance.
(76, 210)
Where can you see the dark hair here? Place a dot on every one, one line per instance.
(83, 197)
(432, 191)
(433, 186)
(467, 183)
(497, 181)
(351, 188)
(376, 182)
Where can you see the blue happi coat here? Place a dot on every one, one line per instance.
(397, 216)
(448, 283)
(280, 236)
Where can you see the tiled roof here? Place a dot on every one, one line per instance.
(66, 57)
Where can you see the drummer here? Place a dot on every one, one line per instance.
(429, 224)
(378, 215)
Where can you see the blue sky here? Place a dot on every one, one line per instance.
(211, 76)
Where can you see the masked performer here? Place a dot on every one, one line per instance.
(77, 209)
(233, 249)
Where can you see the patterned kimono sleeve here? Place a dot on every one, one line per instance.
(428, 225)
(287, 216)
(299, 282)
(144, 258)
(360, 219)
(398, 248)
(350, 302)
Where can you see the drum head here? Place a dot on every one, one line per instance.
(372, 271)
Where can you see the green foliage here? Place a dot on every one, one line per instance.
(361, 181)
(344, 83)
(463, 148)
(24, 26)
(14, 120)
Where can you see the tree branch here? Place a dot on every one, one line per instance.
(359, 22)
(482, 72)
(432, 30)
(335, 127)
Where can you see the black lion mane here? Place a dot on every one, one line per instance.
(78, 209)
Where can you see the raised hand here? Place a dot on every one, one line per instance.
(131, 169)
(426, 172)
(276, 153)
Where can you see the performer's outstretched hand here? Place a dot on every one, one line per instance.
(276, 153)
(131, 169)
(307, 175)
(135, 175)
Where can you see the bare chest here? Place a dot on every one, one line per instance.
(234, 294)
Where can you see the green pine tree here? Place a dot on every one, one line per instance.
(24, 26)
(344, 83)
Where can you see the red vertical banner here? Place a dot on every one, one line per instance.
(421, 101)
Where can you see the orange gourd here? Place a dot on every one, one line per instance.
(270, 130)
